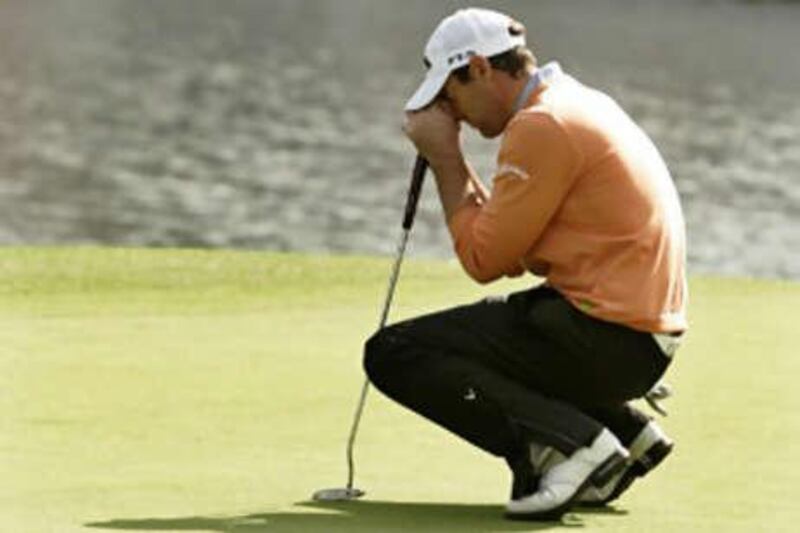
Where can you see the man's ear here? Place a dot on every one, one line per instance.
(479, 67)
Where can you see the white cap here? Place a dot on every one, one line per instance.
(463, 34)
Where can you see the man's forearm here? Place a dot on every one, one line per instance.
(456, 181)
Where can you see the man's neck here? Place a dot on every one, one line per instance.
(516, 86)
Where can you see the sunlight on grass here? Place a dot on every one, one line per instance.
(213, 391)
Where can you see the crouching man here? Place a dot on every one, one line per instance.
(581, 197)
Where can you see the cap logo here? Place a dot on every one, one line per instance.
(515, 29)
(460, 56)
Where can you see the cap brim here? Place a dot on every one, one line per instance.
(427, 91)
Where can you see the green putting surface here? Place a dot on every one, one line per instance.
(163, 390)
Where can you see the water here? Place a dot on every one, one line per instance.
(275, 124)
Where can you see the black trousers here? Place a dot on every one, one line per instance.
(529, 367)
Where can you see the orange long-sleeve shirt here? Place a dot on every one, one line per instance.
(582, 196)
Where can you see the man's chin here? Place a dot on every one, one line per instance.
(489, 133)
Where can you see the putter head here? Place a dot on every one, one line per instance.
(338, 494)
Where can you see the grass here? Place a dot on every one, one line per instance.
(164, 390)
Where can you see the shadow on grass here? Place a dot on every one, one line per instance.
(356, 516)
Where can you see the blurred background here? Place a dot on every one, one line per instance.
(275, 124)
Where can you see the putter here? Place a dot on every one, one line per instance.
(349, 492)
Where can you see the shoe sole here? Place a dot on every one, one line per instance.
(647, 462)
(601, 475)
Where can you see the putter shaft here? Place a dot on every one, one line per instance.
(417, 177)
(401, 249)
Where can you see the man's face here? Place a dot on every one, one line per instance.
(476, 103)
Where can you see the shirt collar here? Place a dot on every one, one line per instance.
(543, 74)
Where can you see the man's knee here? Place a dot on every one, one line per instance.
(383, 354)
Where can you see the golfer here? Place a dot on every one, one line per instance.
(580, 197)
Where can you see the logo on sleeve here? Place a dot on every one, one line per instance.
(507, 169)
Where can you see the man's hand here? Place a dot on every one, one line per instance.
(435, 133)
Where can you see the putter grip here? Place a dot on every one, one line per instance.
(417, 177)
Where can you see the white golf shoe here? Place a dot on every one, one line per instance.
(648, 449)
(560, 485)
